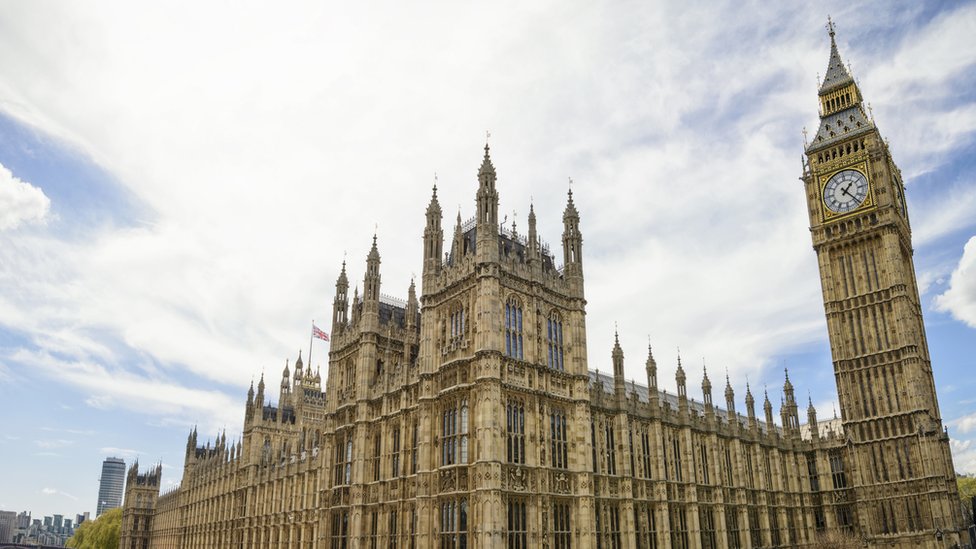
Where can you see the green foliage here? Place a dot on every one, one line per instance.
(967, 489)
(101, 533)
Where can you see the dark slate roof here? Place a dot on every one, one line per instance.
(840, 126)
(837, 75)
(664, 397)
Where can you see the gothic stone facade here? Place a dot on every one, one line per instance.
(467, 416)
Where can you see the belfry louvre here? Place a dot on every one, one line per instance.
(466, 416)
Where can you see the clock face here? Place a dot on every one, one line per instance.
(845, 191)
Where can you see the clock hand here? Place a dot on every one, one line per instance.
(847, 193)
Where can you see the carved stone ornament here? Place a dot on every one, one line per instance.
(562, 483)
(517, 479)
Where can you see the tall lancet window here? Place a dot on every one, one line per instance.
(457, 322)
(515, 427)
(454, 431)
(554, 341)
(513, 328)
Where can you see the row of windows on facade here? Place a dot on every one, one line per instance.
(454, 450)
(514, 346)
(453, 526)
(514, 333)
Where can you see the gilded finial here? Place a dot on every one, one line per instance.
(830, 27)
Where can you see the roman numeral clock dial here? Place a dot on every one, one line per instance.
(845, 191)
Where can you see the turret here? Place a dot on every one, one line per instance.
(729, 398)
(357, 307)
(789, 411)
(812, 420)
(533, 244)
(572, 240)
(285, 386)
(619, 383)
(340, 304)
(651, 368)
(370, 321)
(706, 389)
(412, 307)
(433, 236)
(768, 408)
(299, 366)
(248, 411)
(457, 244)
(259, 397)
(680, 378)
(487, 220)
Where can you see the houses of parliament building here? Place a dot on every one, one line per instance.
(466, 416)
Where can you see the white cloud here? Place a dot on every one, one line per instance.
(263, 155)
(965, 424)
(56, 492)
(960, 298)
(128, 453)
(952, 210)
(20, 202)
(963, 456)
(53, 443)
(119, 389)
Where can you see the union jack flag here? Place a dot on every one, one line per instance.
(316, 332)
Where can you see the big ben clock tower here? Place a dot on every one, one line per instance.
(897, 450)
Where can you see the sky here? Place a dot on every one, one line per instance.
(180, 183)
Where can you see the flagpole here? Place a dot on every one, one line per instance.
(310, 333)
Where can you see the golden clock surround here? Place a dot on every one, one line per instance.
(828, 216)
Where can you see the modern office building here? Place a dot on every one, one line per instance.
(110, 485)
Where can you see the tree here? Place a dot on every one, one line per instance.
(101, 533)
(967, 490)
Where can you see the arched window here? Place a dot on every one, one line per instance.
(454, 433)
(554, 341)
(557, 439)
(457, 322)
(513, 328)
(515, 428)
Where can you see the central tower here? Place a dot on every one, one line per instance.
(503, 380)
(903, 481)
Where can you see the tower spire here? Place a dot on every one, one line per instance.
(837, 74)
(486, 247)
(433, 234)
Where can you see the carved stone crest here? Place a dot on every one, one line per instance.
(517, 478)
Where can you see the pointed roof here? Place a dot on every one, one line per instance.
(844, 120)
(679, 374)
(434, 207)
(342, 281)
(706, 383)
(729, 393)
(570, 211)
(374, 253)
(487, 168)
(837, 74)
